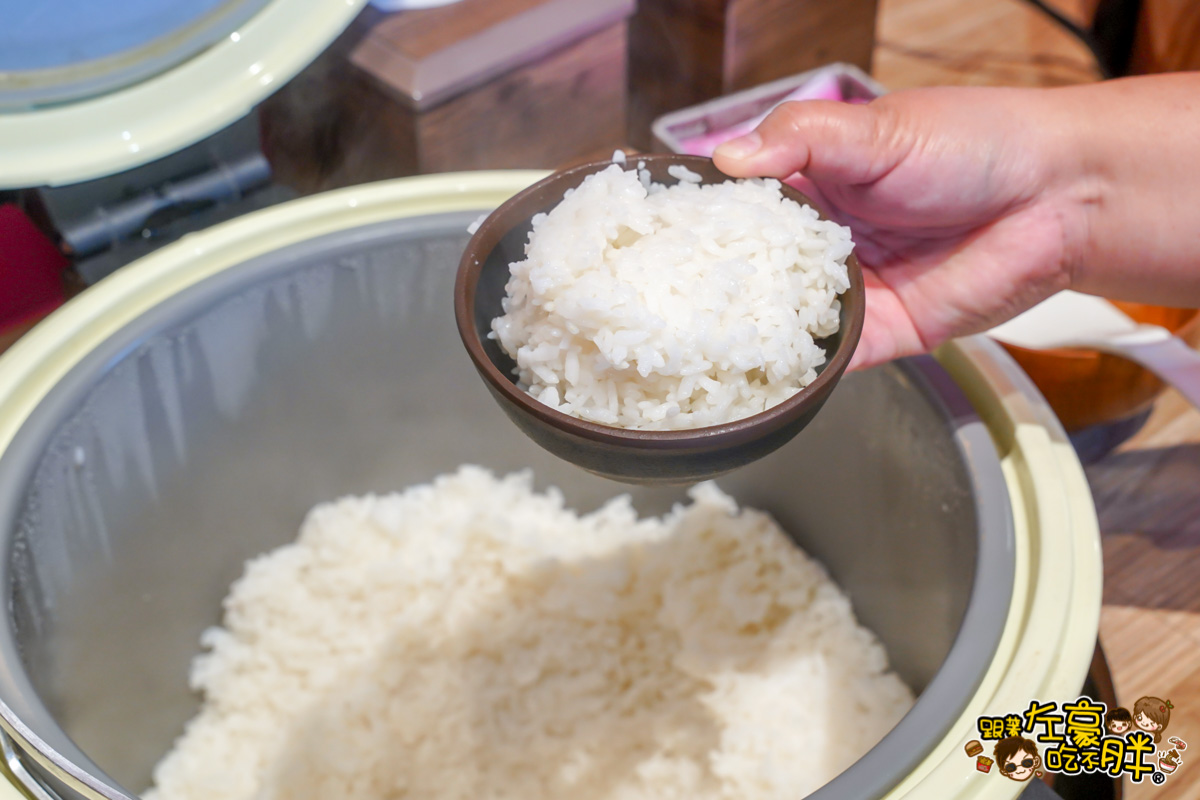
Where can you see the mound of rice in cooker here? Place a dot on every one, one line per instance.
(471, 639)
(664, 308)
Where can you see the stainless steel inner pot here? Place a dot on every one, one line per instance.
(201, 434)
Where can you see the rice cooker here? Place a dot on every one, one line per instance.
(182, 416)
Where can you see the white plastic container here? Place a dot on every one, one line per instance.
(672, 130)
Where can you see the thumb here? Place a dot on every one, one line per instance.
(823, 140)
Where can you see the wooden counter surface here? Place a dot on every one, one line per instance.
(1148, 499)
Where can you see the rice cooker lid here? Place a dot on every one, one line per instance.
(89, 89)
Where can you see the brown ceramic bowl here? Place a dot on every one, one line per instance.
(645, 457)
(1086, 388)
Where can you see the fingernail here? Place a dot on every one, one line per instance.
(741, 147)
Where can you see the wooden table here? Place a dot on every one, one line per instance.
(1148, 498)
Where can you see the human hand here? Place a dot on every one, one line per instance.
(964, 210)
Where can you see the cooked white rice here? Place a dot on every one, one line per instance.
(474, 640)
(664, 308)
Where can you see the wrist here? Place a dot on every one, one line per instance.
(1077, 183)
(1125, 179)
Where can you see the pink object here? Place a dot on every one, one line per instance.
(31, 270)
(825, 87)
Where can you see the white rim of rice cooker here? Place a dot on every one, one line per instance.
(78, 140)
(1053, 618)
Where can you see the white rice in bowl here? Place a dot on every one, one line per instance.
(472, 639)
(650, 307)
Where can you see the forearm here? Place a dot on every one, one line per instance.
(1130, 153)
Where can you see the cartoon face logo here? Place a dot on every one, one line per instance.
(1151, 715)
(1119, 721)
(1017, 758)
